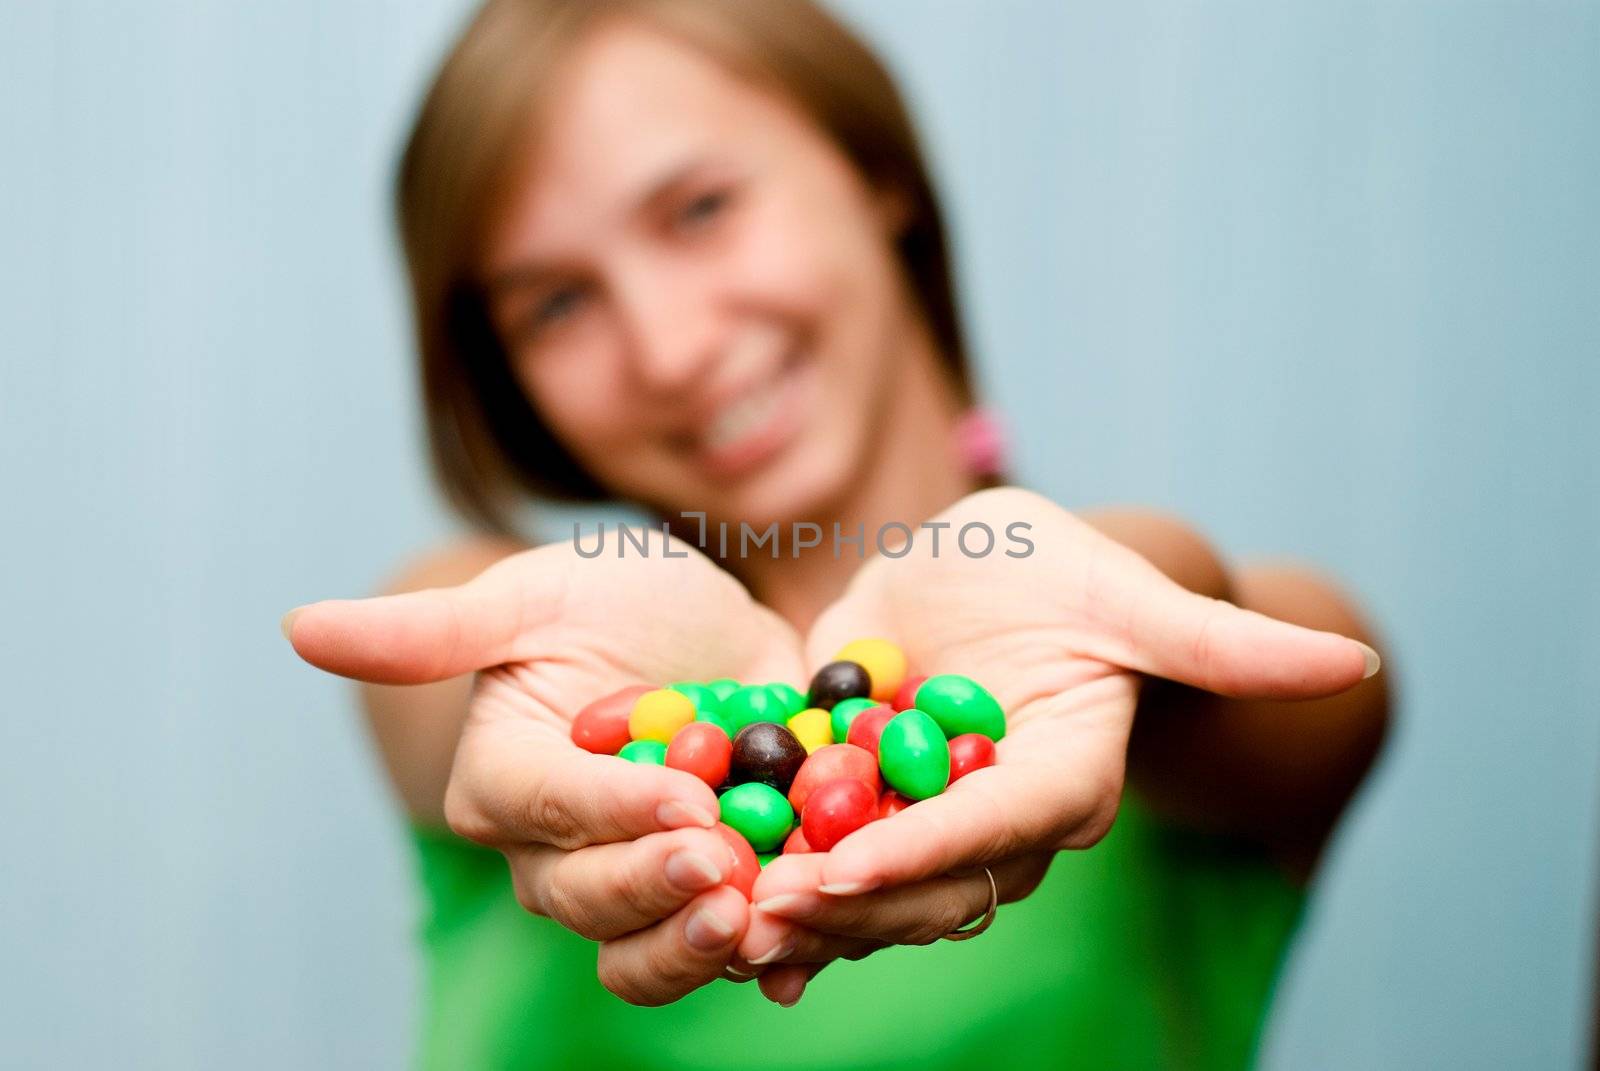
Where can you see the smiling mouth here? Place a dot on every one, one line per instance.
(753, 427)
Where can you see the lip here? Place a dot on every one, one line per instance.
(759, 446)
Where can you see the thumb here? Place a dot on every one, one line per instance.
(422, 636)
(1219, 647)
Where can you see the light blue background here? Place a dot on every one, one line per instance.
(1323, 278)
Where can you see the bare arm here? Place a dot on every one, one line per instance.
(1277, 771)
(416, 726)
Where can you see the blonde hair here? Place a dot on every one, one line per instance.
(486, 441)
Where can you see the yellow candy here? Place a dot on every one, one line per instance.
(813, 728)
(657, 715)
(884, 662)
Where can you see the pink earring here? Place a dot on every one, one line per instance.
(980, 442)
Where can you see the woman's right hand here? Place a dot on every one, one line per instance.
(622, 853)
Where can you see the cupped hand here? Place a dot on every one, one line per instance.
(1062, 637)
(621, 853)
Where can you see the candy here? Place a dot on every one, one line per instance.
(789, 696)
(835, 810)
(906, 697)
(961, 705)
(839, 680)
(968, 752)
(602, 726)
(759, 814)
(797, 772)
(884, 662)
(708, 704)
(813, 727)
(658, 714)
(699, 694)
(746, 866)
(844, 712)
(892, 803)
(913, 754)
(652, 751)
(751, 704)
(829, 764)
(868, 727)
(719, 719)
(767, 753)
(702, 749)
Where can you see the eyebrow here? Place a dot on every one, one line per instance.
(532, 273)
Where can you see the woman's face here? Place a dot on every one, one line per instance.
(698, 290)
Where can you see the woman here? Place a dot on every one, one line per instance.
(685, 254)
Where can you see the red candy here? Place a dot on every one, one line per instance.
(968, 752)
(746, 867)
(906, 697)
(891, 803)
(703, 749)
(836, 809)
(868, 726)
(829, 764)
(796, 844)
(602, 726)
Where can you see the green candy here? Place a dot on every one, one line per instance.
(723, 686)
(701, 695)
(844, 712)
(914, 755)
(644, 751)
(759, 813)
(791, 697)
(766, 857)
(717, 718)
(707, 704)
(753, 703)
(961, 705)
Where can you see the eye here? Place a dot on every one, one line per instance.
(703, 208)
(553, 308)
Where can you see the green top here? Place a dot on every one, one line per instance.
(1156, 948)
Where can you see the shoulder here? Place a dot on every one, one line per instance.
(450, 563)
(1170, 542)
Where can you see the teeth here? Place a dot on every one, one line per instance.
(743, 416)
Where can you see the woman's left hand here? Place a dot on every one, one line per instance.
(1061, 636)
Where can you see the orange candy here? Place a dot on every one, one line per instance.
(602, 726)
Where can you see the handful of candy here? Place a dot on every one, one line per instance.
(798, 772)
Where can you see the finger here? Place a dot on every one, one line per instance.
(661, 963)
(605, 891)
(1057, 785)
(1212, 644)
(431, 635)
(785, 985)
(770, 937)
(915, 914)
(522, 783)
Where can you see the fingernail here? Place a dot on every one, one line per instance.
(731, 969)
(707, 931)
(690, 871)
(287, 624)
(776, 952)
(675, 814)
(792, 905)
(848, 888)
(1373, 662)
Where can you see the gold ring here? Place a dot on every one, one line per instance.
(988, 916)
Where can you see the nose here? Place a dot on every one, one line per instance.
(669, 320)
